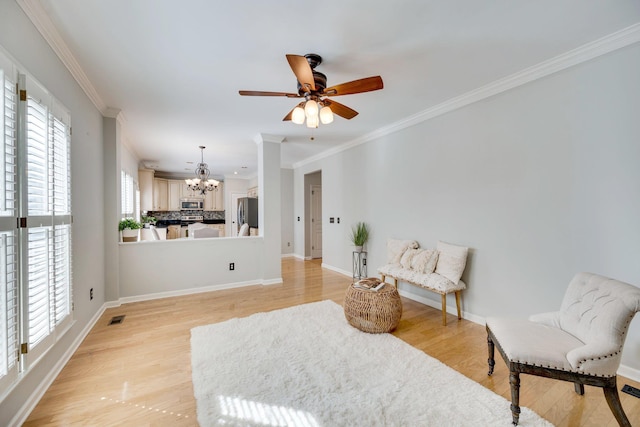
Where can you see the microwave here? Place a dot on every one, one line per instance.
(191, 204)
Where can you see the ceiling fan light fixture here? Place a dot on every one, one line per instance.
(311, 109)
(326, 115)
(298, 115)
(312, 122)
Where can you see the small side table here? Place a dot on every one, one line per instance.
(359, 265)
(373, 311)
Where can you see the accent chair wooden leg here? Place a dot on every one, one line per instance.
(491, 360)
(613, 399)
(458, 304)
(579, 388)
(395, 282)
(383, 278)
(444, 309)
(514, 380)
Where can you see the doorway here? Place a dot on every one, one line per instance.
(313, 215)
(316, 221)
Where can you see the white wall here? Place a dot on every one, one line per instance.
(540, 182)
(22, 41)
(173, 267)
(286, 214)
(129, 161)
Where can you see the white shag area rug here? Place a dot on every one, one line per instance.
(306, 366)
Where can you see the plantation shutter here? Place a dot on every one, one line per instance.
(128, 195)
(47, 237)
(9, 338)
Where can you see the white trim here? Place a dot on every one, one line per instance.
(190, 291)
(269, 282)
(337, 270)
(30, 403)
(627, 372)
(586, 52)
(38, 16)
(289, 255)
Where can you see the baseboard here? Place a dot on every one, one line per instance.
(289, 255)
(277, 281)
(191, 291)
(337, 270)
(627, 372)
(31, 402)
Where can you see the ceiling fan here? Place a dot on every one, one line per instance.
(312, 87)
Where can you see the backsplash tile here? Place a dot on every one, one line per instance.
(175, 215)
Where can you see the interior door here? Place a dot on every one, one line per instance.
(316, 221)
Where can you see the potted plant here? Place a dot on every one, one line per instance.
(147, 220)
(129, 228)
(359, 235)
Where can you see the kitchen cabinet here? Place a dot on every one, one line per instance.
(145, 182)
(252, 192)
(186, 192)
(173, 232)
(220, 197)
(174, 194)
(214, 200)
(160, 194)
(219, 227)
(210, 201)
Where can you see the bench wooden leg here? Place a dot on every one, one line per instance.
(444, 309)
(458, 304)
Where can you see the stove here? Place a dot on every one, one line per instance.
(190, 219)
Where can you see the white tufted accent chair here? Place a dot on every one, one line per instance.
(581, 343)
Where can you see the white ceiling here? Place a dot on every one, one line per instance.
(174, 67)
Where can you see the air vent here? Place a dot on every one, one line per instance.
(631, 390)
(116, 320)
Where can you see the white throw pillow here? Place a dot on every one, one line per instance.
(425, 261)
(407, 257)
(451, 261)
(396, 248)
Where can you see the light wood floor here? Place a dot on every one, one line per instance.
(139, 373)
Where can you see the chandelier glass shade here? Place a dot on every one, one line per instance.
(314, 112)
(202, 183)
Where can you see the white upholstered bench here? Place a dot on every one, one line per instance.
(437, 271)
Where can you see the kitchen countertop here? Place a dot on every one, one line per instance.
(164, 223)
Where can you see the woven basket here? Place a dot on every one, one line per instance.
(373, 311)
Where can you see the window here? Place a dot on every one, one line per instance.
(8, 236)
(128, 195)
(35, 257)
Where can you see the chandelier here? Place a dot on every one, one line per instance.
(201, 182)
(314, 111)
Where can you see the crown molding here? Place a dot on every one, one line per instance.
(38, 16)
(584, 53)
(265, 137)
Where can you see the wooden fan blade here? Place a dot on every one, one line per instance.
(340, 109)
(367, 84)
(302, 70)
(262, 93)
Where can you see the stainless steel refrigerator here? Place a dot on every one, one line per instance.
(248, 211)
